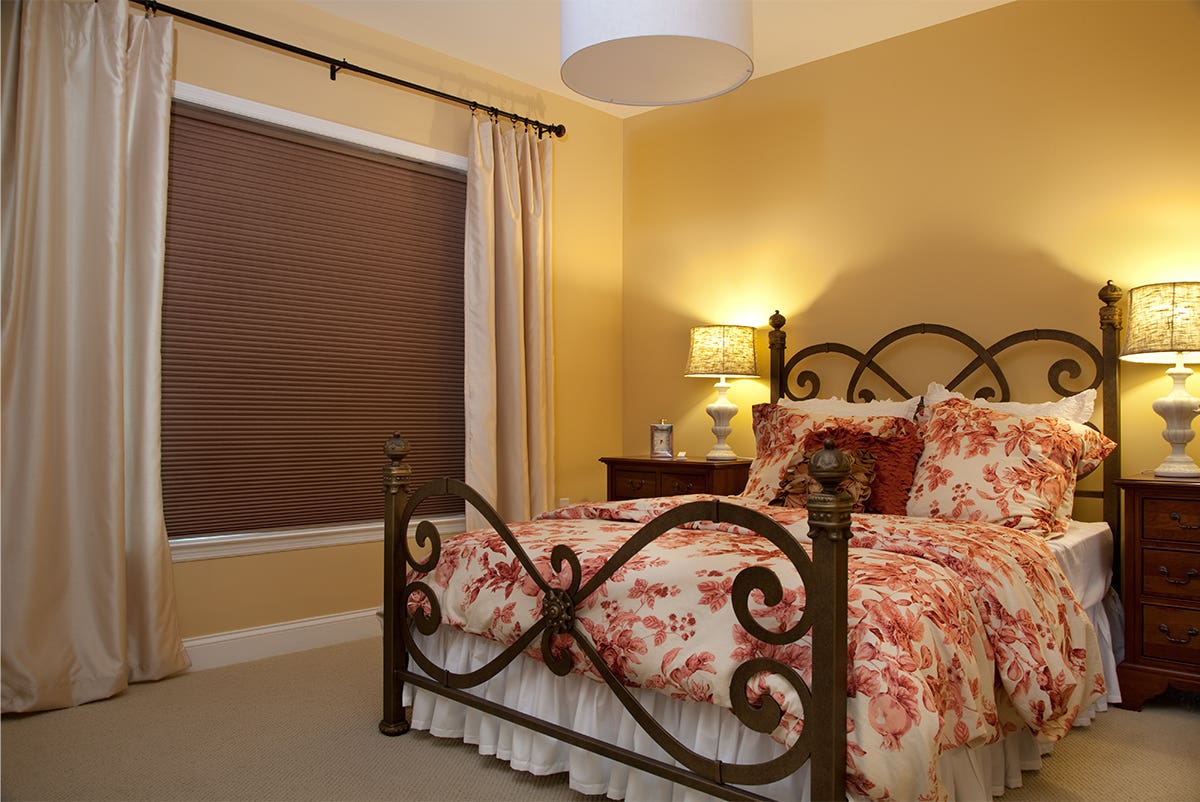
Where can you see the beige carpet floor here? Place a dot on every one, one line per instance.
(302, 727)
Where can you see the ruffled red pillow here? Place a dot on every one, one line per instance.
(799, 484)
(896, 445)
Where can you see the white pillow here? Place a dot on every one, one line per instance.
(836, 406)
(1078, 407)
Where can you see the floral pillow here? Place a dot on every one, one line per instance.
(798, 483)
(982, 464)
(782, 434)
(778, 435)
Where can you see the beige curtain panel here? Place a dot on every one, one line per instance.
(509, 320)
(88, 604)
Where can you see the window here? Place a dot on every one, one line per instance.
(312, 305)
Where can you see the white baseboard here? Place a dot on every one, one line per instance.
(243, 645)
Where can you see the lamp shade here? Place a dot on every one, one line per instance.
(655, 52)
(1164, 324)
(720, 351)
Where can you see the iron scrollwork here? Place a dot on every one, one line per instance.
(557, 624)
(807, 383)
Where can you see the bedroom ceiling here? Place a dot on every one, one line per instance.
(519, 38)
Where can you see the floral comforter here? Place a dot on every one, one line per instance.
(959, 633)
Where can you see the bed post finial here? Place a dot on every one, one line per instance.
(396, 449)
(829, 528)
(777, 344)
(396, 476)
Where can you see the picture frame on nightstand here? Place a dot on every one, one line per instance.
(662, 440)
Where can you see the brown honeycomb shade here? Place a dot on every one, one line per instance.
(312, 306)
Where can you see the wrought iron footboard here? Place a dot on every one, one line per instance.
(823, 740)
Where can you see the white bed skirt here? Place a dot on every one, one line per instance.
(587, 706)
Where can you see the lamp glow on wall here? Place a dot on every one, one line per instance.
(720, 352)
(1164, 328)
(655, 52)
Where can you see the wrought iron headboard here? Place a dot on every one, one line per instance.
(790, 380)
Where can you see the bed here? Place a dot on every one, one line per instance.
(899, 605)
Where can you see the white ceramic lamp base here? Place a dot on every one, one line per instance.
(721, 411)
(1178, 409)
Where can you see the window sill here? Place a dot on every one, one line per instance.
(213, 547)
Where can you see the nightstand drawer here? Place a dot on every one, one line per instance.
(1161, 550)
(1170, 633)
(1174, 574)
(1171, 519)
(646, 476)
(635, 484)
(679, 484)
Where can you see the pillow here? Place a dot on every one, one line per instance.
(781, 434)
(1078, 407)
(894, 443)
(778, 433)
(836, 406)
(982, 464)
(798, 483)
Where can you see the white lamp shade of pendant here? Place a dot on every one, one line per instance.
(655, 52)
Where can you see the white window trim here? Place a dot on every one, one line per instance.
(236, 545)
(220, 101)
(211, 547)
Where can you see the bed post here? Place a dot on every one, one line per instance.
(1110, 328)
(829, 528)
(777, 344)
(395, 559)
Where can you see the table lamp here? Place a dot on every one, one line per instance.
(720, 352)
(1164, 328)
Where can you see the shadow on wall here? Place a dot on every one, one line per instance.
(986, 292)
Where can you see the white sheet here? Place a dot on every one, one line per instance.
(1084, 552)
(1085, 555)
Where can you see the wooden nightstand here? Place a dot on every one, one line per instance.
(1162, 587)
(645, 477)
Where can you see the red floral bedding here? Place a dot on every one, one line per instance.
(959, 632)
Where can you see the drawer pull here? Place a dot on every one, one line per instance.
(636, 485)
(681, 488)
(1191, 633)
(1179, 522)
(1188, 577)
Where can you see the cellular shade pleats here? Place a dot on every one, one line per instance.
(312, 306)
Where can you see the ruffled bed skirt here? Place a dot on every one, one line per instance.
(588, 707)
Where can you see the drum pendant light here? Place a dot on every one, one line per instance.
(655, 52)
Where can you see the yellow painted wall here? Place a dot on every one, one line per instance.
(235, 593)
(988, 173)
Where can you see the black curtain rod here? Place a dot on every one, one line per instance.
(336, 65)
